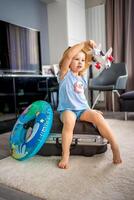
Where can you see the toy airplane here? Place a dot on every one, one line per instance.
(101, 59)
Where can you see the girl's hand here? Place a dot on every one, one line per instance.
(90, 44)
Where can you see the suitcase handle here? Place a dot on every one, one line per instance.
(58, 144)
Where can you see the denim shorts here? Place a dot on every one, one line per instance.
(78, 113)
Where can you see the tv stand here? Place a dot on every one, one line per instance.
(17, 91)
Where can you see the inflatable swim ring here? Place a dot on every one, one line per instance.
(25, 140)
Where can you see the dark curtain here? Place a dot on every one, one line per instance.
(23, 45)
(120, 35)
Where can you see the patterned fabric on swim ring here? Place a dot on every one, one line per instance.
(27, 139)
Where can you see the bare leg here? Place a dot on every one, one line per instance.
(68, 119)
(96, 118)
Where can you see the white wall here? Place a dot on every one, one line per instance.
(76, 21)
(44, 35)
(66, 26)
(57, 29)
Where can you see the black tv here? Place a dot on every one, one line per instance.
(19, 49)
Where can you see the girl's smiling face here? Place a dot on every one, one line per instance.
(78, 62)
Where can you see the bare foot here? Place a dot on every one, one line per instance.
(64, 162)
(116, 155)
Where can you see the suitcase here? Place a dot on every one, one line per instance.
(86, 140)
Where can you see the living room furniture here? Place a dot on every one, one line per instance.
(51, 88)
(17, 91)
(127, 102)
(112, 79)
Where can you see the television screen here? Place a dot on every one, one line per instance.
(19, 49)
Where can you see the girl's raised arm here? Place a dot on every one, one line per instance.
(70, 53)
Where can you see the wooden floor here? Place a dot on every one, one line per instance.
(4, 145)
(7, 193)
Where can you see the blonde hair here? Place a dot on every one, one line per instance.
(88, 59)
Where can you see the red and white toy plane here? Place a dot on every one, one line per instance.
(101, 59)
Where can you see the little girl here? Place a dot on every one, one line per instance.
(73, 104)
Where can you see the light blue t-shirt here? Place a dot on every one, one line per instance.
(71, 93)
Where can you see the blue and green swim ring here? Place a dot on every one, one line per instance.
(24, 146)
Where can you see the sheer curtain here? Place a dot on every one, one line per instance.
(120, 35)
(23, 47)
